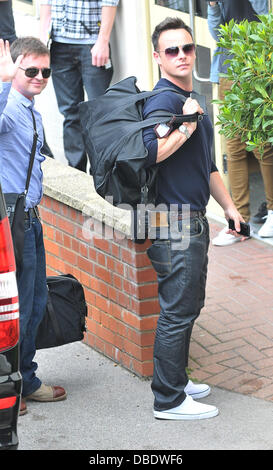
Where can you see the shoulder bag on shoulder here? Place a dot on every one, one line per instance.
(112, 126)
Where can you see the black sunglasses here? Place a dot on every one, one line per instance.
(32, 72)
(187, 49)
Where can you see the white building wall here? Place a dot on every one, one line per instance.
(131, 52)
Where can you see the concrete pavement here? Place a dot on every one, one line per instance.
(108, 408)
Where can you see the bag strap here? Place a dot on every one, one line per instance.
(32, 153)
(147, 94)
(162, 116)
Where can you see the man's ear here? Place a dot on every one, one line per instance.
(157, 57)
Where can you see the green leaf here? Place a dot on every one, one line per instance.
(257, 101)
(255, 37)
(267, 123)
(261, 90)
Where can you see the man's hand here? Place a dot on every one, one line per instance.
(8, 68)
(222, 196)
(191, 107)
(100, 53)
(232, 213)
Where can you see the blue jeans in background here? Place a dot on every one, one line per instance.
(181, 275)
(32, 288)
(72, 72)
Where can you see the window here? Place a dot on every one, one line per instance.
(183, 5)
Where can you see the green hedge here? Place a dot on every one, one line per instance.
(247, 109)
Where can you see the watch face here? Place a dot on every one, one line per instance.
(184, 130)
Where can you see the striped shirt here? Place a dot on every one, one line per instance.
(77, 19)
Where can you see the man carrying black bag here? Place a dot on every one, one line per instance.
(187, 177)
(24, 73)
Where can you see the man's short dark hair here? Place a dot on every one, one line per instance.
(28, 45)
(165, 25)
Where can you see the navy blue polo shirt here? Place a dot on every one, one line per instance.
(184, 177)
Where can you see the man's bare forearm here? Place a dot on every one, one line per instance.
(222, 196)
(108, 15)
(45, 20)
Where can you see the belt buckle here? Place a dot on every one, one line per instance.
(159, 219)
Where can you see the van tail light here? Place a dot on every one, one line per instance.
(7, 260)
(9, 305)
(8, 402)
(9, 311)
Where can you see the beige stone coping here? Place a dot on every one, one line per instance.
(76, 189)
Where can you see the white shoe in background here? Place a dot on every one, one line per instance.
(224, 239)
(267, 228)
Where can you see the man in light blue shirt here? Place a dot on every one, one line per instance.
(15, 117)
(24, 73)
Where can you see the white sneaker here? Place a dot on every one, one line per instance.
(224, 239)
(266, 229)
(189, 409)
(197, 390)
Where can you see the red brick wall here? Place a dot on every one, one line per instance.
(119, 283)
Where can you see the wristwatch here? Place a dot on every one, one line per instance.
(184, 130)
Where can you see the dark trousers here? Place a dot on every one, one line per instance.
(32, 289)
(72, 73)
(181, 274)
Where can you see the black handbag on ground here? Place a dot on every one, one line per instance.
(15, 204)
(66, 311)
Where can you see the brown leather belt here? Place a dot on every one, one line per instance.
(163, 218)
(32, 213)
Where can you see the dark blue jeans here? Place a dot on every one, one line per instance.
(72, 72)
(181, 277)
(32, 290)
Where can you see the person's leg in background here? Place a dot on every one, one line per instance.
(68, 86)
(238, 173)
(96, 80)
(237, 164)
(266, 166)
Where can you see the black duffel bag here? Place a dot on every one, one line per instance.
(112, 126)
(66, 311)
